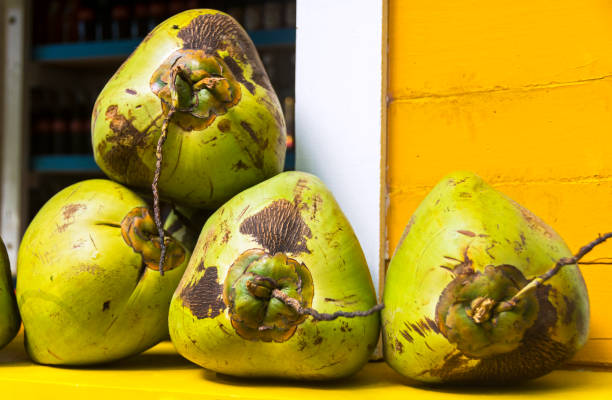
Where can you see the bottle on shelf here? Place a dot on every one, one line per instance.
(85, 21)
(273, 13)
(290, 14)
(220, 5)
(78, 125)
(40, 122)
(60, 136)
(85, 117)
(235, 8)
(140, 20)
(39, 24)
(54, 14)
(175, 7)
(74, 132)
(69, 21)
(284, 80)
(35, 202)
(103, 20)
(121, 12)
(193, 4)
(253, 15)
(157, 14)
(289, 109)
(268, 58)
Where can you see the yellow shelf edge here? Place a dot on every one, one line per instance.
(160, 373)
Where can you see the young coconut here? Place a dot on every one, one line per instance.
(481, 291)
(87, 282)
(191, 113)
(265, 262)
(9, 315)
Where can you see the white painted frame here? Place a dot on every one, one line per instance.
(12, 199)
(340, 111)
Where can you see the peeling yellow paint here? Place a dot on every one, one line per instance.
(551, 85)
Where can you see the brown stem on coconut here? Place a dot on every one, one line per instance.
(159, 158)
(480, 309)
(268, 296)
(155, 187)
(138, 231)
(538, 281)
(295, 305)
(466, 313)
(488, 312)
(193, 86)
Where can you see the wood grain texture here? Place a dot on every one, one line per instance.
(520, 93)
(475, 45)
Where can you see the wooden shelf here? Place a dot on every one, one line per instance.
(119, 49)
(84, 50)
(161, 373)
(64, 163)
(85, 163)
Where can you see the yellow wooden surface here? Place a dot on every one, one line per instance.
(162, 374)
(459, 46)
(520, 93)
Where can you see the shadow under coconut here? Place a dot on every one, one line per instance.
(551, 383)
(12, 357)
(161, 357)
(375, 374)
(14, 354)
(151, 360)
(378, 375)
(229, 380)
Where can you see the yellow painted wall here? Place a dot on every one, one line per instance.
(519, 92)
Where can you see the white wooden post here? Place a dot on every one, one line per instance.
(340, 110)
(13, 168)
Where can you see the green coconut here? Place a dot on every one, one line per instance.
(9, 315)
(453, 309)
(265, 267)
(197, 74)
(88, 282)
